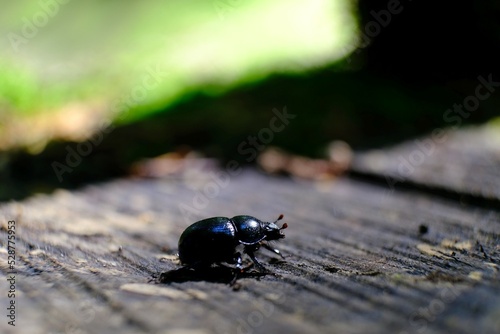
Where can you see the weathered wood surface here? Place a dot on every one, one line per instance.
(465, 161)
(357, 260)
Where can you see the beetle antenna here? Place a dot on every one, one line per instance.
(285, 225)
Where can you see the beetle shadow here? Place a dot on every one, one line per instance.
(219, 274)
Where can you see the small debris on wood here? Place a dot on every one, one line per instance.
(172, 164)
(436, 251)
(369, 273)
(476, 275)
(331, 269)
(481, 249)
(276, 161)
(155, 290)
(423, 229)
(439, 276)
(168, 258)
(455, 244)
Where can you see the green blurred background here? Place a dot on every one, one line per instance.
(134, 79)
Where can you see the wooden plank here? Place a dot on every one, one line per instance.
(357, 260)
(465, 162)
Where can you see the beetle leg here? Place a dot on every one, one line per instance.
(238, 261)
(239, 267)
(233, 281)
(250, 251)
(274, 250)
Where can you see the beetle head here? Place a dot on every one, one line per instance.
(273, 232)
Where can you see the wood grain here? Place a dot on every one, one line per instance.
(465, 162)
(357, 260)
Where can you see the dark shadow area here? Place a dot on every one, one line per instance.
(219, 274)
(465, 199)
(403, 82)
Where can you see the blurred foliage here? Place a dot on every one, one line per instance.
(129, 60)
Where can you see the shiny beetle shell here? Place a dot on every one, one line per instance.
(214, 240)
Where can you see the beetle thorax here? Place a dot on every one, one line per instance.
(249, 230)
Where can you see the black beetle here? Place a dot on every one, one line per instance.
(215, 240)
